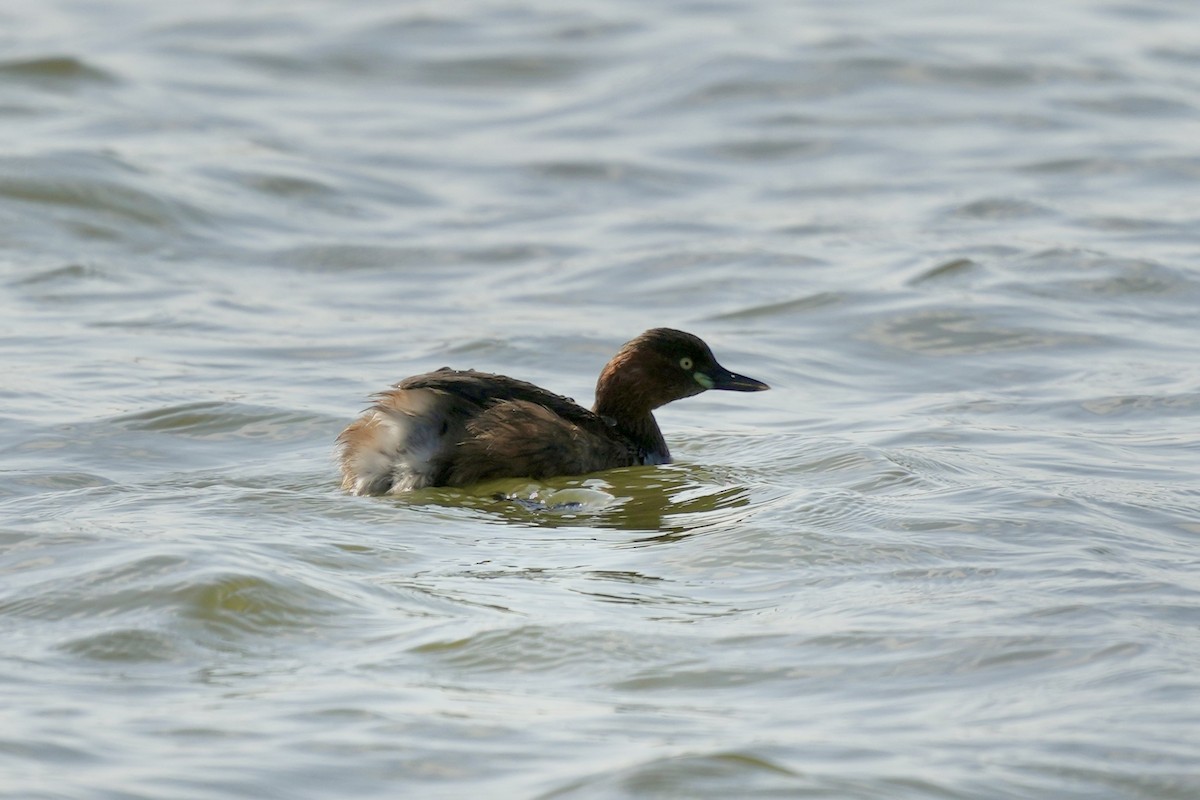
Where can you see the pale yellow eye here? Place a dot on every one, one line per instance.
(685, 362)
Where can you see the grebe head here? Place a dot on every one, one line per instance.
(660, 366)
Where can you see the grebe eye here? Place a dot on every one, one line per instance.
(685, 362)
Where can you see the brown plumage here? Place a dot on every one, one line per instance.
(460, 427)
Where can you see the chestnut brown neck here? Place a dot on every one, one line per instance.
(625, 397)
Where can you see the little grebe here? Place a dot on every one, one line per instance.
(459, 427)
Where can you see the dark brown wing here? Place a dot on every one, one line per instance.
(511, 428)
(454, 428)
(484, 389)
(520, 438)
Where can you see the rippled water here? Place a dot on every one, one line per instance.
(952, 554)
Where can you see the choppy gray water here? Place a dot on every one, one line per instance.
(953, 553)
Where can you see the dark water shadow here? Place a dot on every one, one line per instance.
(672, 501)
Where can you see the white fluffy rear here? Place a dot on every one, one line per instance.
(393, 446)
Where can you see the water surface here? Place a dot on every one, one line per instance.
(951, 554)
